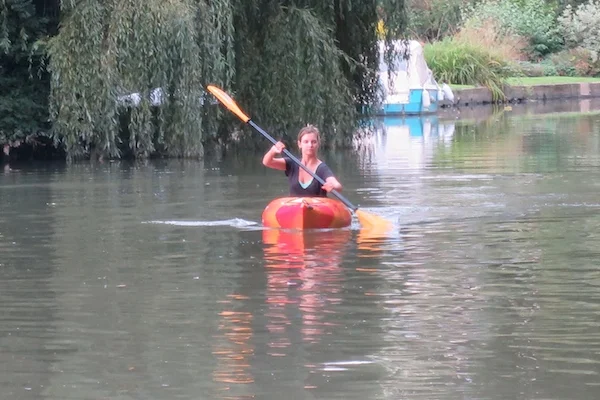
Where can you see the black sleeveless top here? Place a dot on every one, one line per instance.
(313, 189)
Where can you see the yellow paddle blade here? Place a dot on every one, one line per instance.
(371, 241)
(372, 221)
(228, 102)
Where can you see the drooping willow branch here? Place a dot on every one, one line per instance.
(289, 62)
(160, 51)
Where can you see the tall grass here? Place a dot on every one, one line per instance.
(459, 62)
(489, 35)
(534, 20)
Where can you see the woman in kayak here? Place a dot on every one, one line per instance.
(301, 183)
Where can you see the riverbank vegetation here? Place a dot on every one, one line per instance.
(486, 42)
(125, 78)
(116, 78)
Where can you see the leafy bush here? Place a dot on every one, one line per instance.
(563, 63)
(430, 20)
(531, 19)
(529, 69)
(507, 46)
(548, 68)
(581, 27)
(574, 62)
(462, 63)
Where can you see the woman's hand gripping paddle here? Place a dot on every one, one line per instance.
(367, 220)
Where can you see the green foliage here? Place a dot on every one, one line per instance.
(287, 63)
(434, 19)
(461, 63)
(549, 68)
(562, 63)
(23, 108)
(569, 62)
(574, 62)
(300, 55)
(107, 49)
(23, 82)
(562, 4)
(581, 27)
(532, 19)
(311, 61)
(530, 69)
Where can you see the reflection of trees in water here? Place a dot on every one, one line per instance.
(465, 295)
(426, 293)
(455, 295)
(493, 305)
(525, 143)
(28, 333)
(125, 289)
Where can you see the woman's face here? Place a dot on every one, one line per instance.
(309, 144)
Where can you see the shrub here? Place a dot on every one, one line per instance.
(563, 62)
(430, 20)
(581, 27)
(507, 46)
(544, 68)
(462, 63)
(529, 69)
(574, 62)
(548, 68)
(531, 19)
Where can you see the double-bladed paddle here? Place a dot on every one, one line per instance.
(367, 220)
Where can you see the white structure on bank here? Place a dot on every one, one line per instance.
(410, 87)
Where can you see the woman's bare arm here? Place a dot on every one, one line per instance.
(270, 160)
(332, 183)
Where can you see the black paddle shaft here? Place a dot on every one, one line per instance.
(304, 167)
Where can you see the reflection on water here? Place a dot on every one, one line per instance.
(233, 348)
(304, 278)
(410, 142)
(304, 275)
(155, 280)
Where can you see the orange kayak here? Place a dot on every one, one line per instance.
(306, 213)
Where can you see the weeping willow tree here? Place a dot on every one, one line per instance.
(288, 63)
(160, 51)
(312, 61)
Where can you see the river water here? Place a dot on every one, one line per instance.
(155, 280)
